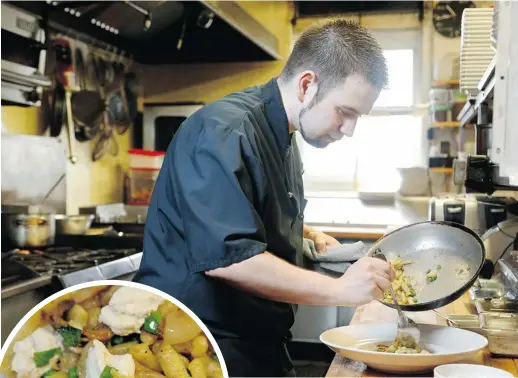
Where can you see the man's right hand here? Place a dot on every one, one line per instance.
(365, 280)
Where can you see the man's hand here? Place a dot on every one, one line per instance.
(364, 281)
(322, 241)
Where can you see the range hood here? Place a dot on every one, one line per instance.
(165, 32)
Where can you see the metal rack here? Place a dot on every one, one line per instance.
(474, 105)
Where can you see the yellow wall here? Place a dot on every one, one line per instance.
(208, 82)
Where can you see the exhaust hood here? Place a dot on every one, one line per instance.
(166, 32)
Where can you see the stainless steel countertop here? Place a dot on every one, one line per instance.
(24, 286)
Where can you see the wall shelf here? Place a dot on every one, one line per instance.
(446, 124)
(445, 83)
(442, 170)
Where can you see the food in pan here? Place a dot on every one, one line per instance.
(432, 274)
(111, 332)
(403, 286)
(402, 345)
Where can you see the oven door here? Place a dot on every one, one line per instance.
(161, 121)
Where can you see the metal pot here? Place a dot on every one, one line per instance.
(29, 230)
(73, 224)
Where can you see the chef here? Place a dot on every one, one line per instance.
(225, 224)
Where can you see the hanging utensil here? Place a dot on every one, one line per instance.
(70, 123)
(87, 105)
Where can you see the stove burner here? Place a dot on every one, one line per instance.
(61, 260)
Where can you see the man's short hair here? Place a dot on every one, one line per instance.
(334, 50)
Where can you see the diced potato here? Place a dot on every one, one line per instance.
(92, 302)
(155, 348)
(123, 348)
(185, 360)
(200, 345)
(166, 307)
(180, 328)
(171, 362)
(78, 317)
(184, 348)
(143, 372)
(148, 338)
(143, 354)
(107, 295)
(93, 317)
(197, 368)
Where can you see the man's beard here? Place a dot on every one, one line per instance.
(317, 143)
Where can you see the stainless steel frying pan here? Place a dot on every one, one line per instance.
(453, 250)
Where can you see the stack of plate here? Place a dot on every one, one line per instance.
(476, 52)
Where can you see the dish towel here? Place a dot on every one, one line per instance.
(337, 258)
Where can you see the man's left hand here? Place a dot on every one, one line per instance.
(322, 241)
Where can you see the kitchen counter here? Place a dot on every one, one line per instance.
(341, 232)
(376, 312)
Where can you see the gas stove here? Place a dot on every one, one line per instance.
(74, 260)
(54, 261)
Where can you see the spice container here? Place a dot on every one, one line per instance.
(141, 184)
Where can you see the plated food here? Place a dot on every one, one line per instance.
(402, 345)
(446, 345)
(111, 331)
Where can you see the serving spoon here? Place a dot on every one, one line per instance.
(407, 330)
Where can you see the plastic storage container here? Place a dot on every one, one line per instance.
(146, 159)
(141, 184)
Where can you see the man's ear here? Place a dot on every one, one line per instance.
(306, 87)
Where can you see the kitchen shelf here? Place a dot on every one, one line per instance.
(446, 124)
(445, 83)
(442, 170)
(485, 86)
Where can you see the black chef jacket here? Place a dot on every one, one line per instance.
(230, 188)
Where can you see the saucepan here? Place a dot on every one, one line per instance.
(73, 224)
(441, 261)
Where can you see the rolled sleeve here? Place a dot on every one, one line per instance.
(221, 191)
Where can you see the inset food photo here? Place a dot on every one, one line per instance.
(111, 329)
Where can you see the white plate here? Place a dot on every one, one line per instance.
(446, 344)
(469, 371)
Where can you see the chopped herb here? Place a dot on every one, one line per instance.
(438, 267)
(71, 336)
(428, 271)
(152, 322)
(72, 373)
(107, 372)
(117, 340)
(43, 358)
(49, 373)
(215, 356)
(432, 278)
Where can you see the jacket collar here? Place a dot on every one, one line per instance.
(276, 115)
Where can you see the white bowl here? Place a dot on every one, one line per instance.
(446, 344)
(469, 371)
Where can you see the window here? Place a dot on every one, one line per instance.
(390, 137)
